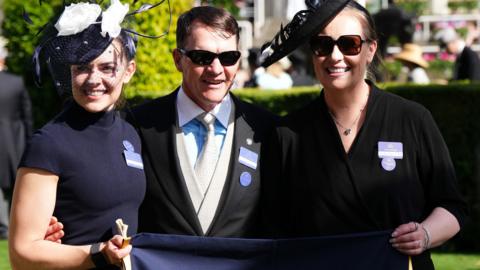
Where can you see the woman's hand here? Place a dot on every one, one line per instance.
(411, 238)
(113, 251)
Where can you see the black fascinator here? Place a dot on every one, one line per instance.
(304, 25)
(80, 34)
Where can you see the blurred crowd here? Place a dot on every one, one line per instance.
(396, 27)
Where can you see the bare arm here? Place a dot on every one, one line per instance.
(436, 229)
(32, 207)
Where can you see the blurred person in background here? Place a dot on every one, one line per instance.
(15, 128)
(275, 77)
(467, 62)
(412, 59)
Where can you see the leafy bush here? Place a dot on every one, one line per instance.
(418, 7)
(155, 67)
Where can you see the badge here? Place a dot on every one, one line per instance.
(388, 164)
(248, 158)
(245, 179)
(128, 146)
(390, 150)
(132, 159)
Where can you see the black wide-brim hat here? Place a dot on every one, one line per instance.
(300, 29)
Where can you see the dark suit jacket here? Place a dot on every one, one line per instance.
(15, 125)
(167, 207)
(467, 66)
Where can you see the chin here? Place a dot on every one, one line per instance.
(95, 108)
(215, 95)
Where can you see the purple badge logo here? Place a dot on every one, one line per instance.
(245, 179)
(388, 164)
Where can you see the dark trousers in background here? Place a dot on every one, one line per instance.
(5, 196)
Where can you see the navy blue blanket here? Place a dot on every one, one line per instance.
(370, 251)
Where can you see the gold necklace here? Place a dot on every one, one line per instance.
(346, 131)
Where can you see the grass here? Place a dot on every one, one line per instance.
(4, 264)
(449, 261)
(442, 261)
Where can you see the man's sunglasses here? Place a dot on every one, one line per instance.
(205, 58)
(347, 44)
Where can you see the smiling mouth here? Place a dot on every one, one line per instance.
(95, 93)
(338, 70)
(216, 82)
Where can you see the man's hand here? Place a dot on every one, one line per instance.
(54, 231)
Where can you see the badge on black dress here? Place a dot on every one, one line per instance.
(133, 159)
(388, 152)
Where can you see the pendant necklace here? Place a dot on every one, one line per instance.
(346, 131)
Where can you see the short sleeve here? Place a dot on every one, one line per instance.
(41, 153)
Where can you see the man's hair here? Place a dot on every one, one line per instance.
(217, 19)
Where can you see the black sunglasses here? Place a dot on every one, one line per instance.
(205, 58)
(347, 44)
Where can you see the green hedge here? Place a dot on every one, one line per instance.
(456, 109)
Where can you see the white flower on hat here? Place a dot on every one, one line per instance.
(76, 18)
(112, 17)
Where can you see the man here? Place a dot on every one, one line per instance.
(183, 196)
(15, 128)
(467, 62)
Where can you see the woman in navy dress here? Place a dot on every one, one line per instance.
(84, 166)
(358, 159)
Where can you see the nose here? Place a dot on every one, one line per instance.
(216, 67)
(94, 76)
(336, 53)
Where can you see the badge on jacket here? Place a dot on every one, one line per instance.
(248, 158)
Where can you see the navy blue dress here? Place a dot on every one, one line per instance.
(96, 186)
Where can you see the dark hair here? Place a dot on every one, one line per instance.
(216, 18)
(370, 32)
(129, 42)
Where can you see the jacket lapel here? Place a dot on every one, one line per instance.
(233, 191)
(160, 147)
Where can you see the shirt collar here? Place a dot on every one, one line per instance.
(188, 110)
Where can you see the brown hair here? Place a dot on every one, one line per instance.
(370, 32)
(216, 18)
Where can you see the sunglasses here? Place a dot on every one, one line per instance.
(205, 58)
(347, 44)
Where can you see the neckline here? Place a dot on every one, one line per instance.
(79, 118)
(374, 91)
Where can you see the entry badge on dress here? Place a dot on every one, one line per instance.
(388, 152)
(133, 159)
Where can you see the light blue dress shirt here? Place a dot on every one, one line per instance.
(194, 131)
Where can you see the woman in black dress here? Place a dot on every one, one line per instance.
(84, 166)
(359, 159)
